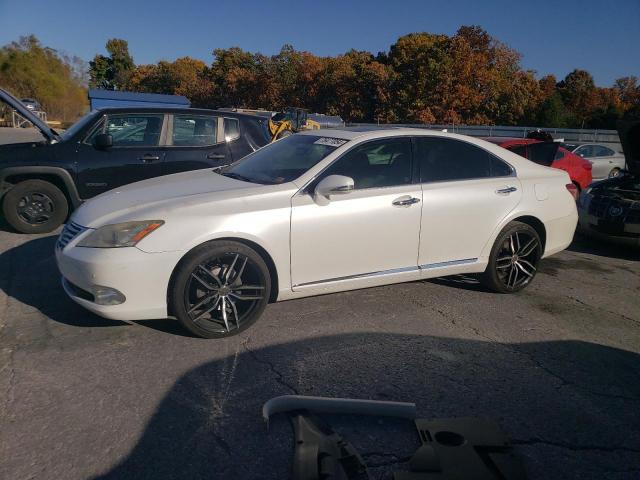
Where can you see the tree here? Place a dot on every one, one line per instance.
(579, 95)
(112, 72)
(28, 69)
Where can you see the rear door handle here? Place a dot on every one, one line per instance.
(148, 158)
(506, 190)
(405, 201)
(215, 156)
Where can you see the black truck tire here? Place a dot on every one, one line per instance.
(35, 206)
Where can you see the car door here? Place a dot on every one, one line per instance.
(372, 230)
(466, 192)
(603, 161)
(195, 141)
(136, 153)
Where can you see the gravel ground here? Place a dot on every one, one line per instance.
(557, 366)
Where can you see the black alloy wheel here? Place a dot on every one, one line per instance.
(514, 259)
(223, 289)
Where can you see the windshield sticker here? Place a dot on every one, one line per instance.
(331, 142)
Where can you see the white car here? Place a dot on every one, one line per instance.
(317, 212)
(606, 162)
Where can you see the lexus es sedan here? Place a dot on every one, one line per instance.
(317, 212)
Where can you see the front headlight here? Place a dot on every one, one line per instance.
(126, 234)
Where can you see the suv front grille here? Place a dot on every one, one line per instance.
(69, 232)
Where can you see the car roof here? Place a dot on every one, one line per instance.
(182, 110)
(375, 131)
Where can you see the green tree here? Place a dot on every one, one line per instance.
(28, 69)
(112, 72)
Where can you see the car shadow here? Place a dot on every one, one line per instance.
(33, 279)
(567, 405)
(584, 244)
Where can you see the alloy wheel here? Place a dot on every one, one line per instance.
(223, 292)
(517, 260)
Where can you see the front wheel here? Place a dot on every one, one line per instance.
(615, 172)
(35, 206)
(220, 289)
(514, 258)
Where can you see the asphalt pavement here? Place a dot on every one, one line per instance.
(557, 366)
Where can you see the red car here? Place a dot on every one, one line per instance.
(549, 154)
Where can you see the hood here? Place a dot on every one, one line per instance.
(629, 133)
(157, 196)
(22, 109)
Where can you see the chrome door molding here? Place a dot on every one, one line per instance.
(393, 271)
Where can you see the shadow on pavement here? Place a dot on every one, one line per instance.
(584, 244)
(568, 406)
(32, 278)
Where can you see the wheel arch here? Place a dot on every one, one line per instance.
(260, 250)
(57, 176)
(536, 224)
(525, 217)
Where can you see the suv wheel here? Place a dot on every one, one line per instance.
(220, 289)
(35, 206)
(514, 259)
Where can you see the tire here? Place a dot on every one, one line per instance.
(514, 258)
(35, 206)
(220, 289)
(614, 172)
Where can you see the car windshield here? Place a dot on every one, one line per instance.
(76, 127)
(284, 160)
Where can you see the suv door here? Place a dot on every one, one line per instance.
(372, 231)
(136, 153)
(195, 141)
(467, 191)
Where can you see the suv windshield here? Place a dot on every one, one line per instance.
(284, 160)
(76, 127)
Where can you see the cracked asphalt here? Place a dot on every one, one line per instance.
(557, 366)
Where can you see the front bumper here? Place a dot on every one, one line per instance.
(141, 277)
(588, 225)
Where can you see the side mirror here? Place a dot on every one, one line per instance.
(103, 141)
(333, 185)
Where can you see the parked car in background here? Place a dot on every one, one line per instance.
(549, 154)
(316, 212)
(32, 104)
(606, 161)
(610, 209)
(41, 181)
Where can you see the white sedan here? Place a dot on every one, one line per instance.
(317, 212)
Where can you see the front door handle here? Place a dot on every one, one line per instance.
(215, 156)
(405, 201)
(506, 190)
(148, 158)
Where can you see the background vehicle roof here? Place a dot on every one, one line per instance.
(186, 110)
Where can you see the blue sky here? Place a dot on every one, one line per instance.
(553, 37)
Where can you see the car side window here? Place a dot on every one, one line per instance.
(231, 129)
(585, 151)
(194, 130)
(133, 130)
(445, 159)
(376, 164)
(602, 151)
(543, 153)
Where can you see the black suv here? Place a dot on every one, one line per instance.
(41, 181)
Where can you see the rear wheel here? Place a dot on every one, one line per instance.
(35, 206)
(514, 258)
(614, 172)
(220, 289)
